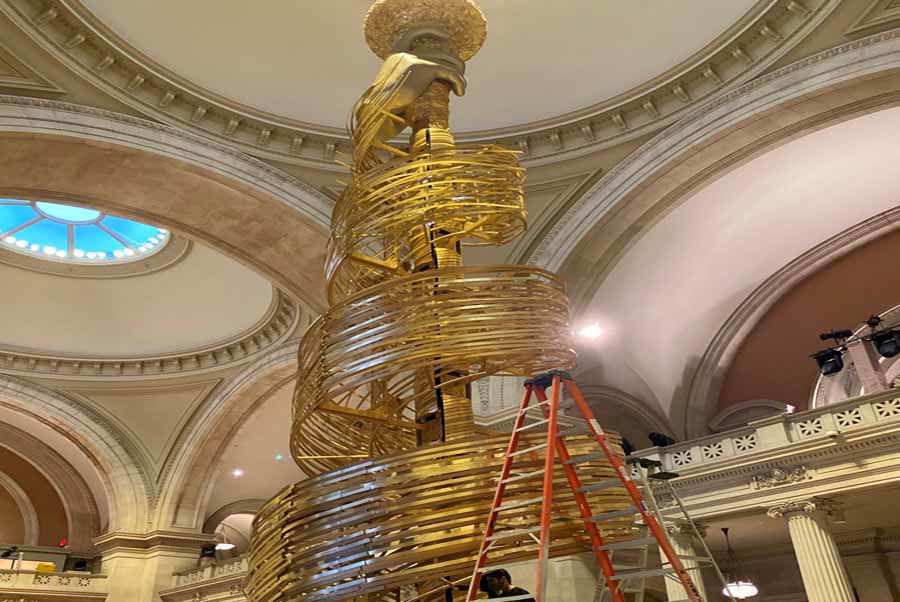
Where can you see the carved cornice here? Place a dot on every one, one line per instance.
(153, 539)
(70, 32)
(274, 328)
(776, 477)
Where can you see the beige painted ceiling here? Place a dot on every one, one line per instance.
(667, 297)
(204, 299)
(307, 59)
(262, 437)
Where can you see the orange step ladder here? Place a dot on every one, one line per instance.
(555, 447)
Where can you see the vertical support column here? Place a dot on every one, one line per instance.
(682, 537)
(138, 566)
(865, 359)
(824, 576)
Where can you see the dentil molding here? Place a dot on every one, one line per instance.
(279, 322)
(71, 33)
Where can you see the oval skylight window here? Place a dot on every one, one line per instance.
(75, 234)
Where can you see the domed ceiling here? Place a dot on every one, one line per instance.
(308, 60)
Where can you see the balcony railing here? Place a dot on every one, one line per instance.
(33, 585)
(828, 422)
(221, 581)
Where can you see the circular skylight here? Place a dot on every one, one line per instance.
(75, 234)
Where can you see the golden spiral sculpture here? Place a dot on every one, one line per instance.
(401, 478)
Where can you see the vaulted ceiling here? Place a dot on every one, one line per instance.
(577, 86)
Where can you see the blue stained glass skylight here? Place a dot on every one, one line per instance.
(76, 234)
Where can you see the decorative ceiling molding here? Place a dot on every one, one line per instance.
(279, 322)
(880, 14)
(175, 249)
(857, 59)
(15, 73)
(69, 31)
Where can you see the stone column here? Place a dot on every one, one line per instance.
(138, 566)
(824, 576)
(683, 541)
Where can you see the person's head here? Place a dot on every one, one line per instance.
(496, 581)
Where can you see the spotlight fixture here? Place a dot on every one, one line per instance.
(591, 331)
(887, 342)
(237, 472)
(829, 360)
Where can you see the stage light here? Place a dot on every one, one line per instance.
(591, 331)
(829, 361)
(887, 342)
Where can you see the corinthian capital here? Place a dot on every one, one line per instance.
(785, 509)
(683, 528)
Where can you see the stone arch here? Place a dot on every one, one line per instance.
(78, 501)
(189, 473)
(250, 506)
(707, 380)
(247, 209)
(124, 475)
(595, 232)
(26, 508)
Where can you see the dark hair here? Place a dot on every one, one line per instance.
(495, 574)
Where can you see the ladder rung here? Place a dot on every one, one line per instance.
(524, 475)
(533, 424)
(514, 533)
(518, 504)
(697, 559)
(631, 574)
(605, 484)
(613, 514)
(631, 543)
(529, 449)
(600, 455)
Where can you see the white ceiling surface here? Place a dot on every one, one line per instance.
(663, 303)
(204, 299)
(308, 60)
(262, 436)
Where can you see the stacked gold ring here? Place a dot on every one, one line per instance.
(407, 518)
(478, 320)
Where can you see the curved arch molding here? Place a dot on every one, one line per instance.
(707, 137)
(125, 475)
(596, 231)
(71, 33)
(26, 508)
(245, 208)
(279, 323)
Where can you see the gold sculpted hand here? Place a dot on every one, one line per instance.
(404, 77)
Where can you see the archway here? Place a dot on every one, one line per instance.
(255, 213)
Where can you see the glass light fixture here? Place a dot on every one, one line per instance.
(740, 589)
(736, 588)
